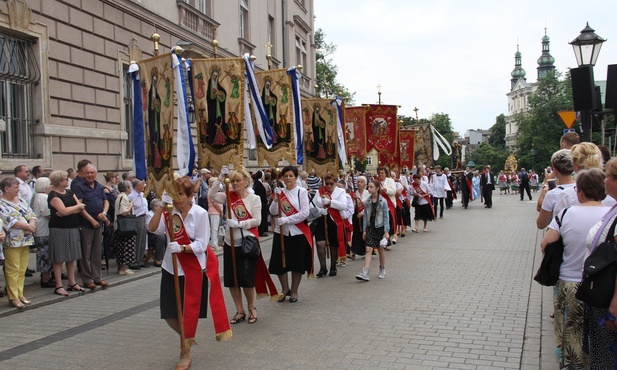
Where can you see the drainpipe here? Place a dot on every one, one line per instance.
(284, 30)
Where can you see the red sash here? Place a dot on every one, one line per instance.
(289, 210)
(424, 195)
(264, 286)
(193, 278)
(470, 187)
(392, 209)
(340, 225)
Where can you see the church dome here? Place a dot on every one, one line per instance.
(518, 72)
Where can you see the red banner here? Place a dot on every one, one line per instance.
(355, 130)
(382, 129)
(406, 140)
(390, 160)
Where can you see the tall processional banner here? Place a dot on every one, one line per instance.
(355, 128)
(382, 132)
(406, 143)
(423, 149)
(157, 101)
(276, 95)
(218, 88)
(320, 135)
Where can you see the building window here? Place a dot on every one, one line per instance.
(271, 29)
(252, 154)
(19, 73)
(244, 19)
(303, 46)
(369, 160)
(298, 51)
(127, 105)
(201, 6)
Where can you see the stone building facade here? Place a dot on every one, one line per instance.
(65, 94)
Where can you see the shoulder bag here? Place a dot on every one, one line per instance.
(548, 273)
(313, 213)
(599, 273)
(127, 225)
(250, 245)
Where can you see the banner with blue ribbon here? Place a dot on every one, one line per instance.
(296, 98)
(139, 149)
(265, 131)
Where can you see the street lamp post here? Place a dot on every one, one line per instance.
(586, 50)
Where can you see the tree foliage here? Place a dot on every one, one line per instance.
(327, 71)
(540, 129)
(486, 154)
(498, 133)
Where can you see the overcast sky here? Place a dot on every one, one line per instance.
(455, 56)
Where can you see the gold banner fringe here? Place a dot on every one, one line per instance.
(310, 276)
(226, 335)
(188, 343)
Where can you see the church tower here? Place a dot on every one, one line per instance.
(546, 60)
(518, 72)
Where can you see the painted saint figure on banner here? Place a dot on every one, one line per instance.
(154, 120)
(318, 124)
(270, 101)
(215, 99)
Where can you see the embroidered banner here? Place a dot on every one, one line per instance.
(355, 128)
(320, 135)
(278, 103)
(382, 128)
(406, 140)
(390, 160)
(219, 104)
(423, 150)
(157, 84)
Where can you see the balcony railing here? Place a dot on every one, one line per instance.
(196, 21)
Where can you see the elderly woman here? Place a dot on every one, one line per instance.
(112, 179)
(156, 242)
(191, 255)
(215, 211)
(573, 225)
(601, 337)
(19, 223)
(241, 271)
(561, 162)
(64, 242)
(584, 156)
(295, 252)
(41, 235)
(124, 245)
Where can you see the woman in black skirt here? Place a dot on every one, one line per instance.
(295, 248)
(358, 245)
(197, 226)
(424, 208)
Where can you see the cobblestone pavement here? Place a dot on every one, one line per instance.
(459, 296)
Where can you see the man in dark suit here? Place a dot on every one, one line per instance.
(487, 184)
(466, 187)
(523, 180)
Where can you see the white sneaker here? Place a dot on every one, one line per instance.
(382, 273)
(364, 275)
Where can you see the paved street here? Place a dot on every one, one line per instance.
(460, 296)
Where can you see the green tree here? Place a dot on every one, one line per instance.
(327, 71)
(360, 165)
(540, 129)
(497, 139)
(486, 154)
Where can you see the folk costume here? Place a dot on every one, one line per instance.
(251, 272)
(336, 223)
(298, 240)
(195, 270)
(358, 245)
(424, 209)
(390, 188)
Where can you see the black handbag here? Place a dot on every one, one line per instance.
(599, 273)
(548, 273)
(250, 246)
(414, 202)
(127, 225)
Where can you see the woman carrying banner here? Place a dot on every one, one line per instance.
(331, 202)
(244, 217)
(295, 252)
(189, 243)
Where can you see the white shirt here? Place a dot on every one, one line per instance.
(42, 212)
(550, 198)
(338, 200)
(298, 197)
(575, 227)
(440, 186)
(569, 198)
(140, 204)
(425, 188)
(390, 187)
(25, 191)
(197, 225)
(252, 203)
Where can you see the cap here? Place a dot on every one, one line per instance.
(204, 170)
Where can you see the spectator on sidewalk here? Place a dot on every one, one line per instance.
(25, 191)
(156, 242)
(20, 224)
(90, 192)
(140, 208)
(42, 187)
(124, 245)
(64, 238)
(561, 162)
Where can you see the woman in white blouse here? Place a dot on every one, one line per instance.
(297, 237)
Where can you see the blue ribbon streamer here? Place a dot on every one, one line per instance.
(191, 163)
(297, 114)
(257, 103)
(139, 150)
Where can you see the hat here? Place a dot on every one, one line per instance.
(204, 170)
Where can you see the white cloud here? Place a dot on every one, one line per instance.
(453, 56)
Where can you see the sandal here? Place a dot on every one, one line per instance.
(283, 296)
(76, 288)
(62, 293)
(414, 230)
(252, 318)
(239, 316)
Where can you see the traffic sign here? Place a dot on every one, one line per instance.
(566, 130)
(568, 117)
